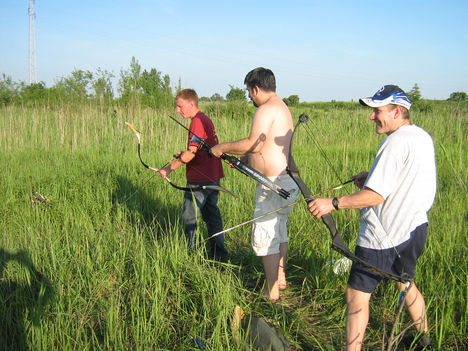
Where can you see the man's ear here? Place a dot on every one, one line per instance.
(398, 111)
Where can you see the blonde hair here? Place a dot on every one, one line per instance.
(188, 94)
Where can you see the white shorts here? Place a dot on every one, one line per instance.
(271, 231)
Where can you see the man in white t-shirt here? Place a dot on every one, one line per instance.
(394, 199)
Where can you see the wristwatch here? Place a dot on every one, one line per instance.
(335, 203)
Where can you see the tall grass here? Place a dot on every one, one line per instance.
(101, 264)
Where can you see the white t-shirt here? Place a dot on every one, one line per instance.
(404, 174)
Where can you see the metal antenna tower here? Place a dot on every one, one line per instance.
(32, 42)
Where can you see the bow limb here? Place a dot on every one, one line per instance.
(338, 244)
(293, 171)
(154, 169)
(197, 187)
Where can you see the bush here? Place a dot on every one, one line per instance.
(458, 96)
(235, 94)
(422, 106)
(292, 100)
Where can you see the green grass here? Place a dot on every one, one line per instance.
(103, 264)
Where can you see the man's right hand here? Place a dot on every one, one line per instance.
(217, 150)
(164, 172)
(359, 179)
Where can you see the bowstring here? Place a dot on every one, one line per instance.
(319, 147)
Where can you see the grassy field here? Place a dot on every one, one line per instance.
(92, 258)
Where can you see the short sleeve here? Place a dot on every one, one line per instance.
(386, 169)
(198, 130)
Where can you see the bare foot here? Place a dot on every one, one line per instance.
(271, 297)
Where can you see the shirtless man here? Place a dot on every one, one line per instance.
(268, 147)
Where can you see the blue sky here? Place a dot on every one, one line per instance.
(319, 50)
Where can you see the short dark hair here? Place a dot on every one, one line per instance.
(262, 78)
(189, 95)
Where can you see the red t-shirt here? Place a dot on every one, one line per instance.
(204, 167)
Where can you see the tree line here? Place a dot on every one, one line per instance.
(149, 88)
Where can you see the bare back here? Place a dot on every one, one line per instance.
(272, 126)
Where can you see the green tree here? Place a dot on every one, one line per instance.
(155, 88)
(415, 93)
(34, 93)
(292, 100)
(458, 96)
(129, 83)
(76, 85)
(216, 97)
(149, 87)
(235, 94)
(8, 89)
(102, 85)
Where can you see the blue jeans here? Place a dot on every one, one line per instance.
(207, 205)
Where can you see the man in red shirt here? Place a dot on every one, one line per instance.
(202, 169)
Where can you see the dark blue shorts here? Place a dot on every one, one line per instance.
(398, 260)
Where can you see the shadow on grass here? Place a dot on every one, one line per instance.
(251, 269)
(21, 300)
(145, 209)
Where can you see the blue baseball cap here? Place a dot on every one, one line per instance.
(388, 94)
